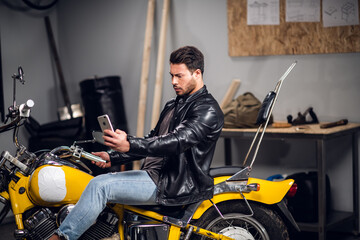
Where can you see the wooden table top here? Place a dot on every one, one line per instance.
(305, 129)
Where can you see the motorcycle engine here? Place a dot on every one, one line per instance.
(42, 224)
(137, 227)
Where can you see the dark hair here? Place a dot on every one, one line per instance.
(190, 56)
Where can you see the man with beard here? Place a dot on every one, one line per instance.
(178, 152)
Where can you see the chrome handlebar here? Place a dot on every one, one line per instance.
(78, 152)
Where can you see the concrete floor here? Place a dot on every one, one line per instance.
(7, 233)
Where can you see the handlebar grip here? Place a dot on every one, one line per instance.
(29, 104)
(91, 157)
(25, 108)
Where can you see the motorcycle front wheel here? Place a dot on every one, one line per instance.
(265, 224)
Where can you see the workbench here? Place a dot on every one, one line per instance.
(313, 132)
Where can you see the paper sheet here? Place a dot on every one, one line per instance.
(340, 12)
(302, 11)
(263, 12)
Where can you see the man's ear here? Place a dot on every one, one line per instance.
(197, 73)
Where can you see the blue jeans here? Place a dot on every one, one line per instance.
(129, 187)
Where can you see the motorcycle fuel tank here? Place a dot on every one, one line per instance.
(52, 185)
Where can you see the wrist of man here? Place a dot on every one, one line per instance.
(120, 158)
(128, 143)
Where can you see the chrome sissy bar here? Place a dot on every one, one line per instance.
(263, 121)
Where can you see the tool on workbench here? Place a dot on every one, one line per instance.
(301, 119)
(334, 124)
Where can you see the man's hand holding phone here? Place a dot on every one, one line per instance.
(116, 140)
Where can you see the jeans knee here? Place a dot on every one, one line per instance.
(99, 186)
(95, 184)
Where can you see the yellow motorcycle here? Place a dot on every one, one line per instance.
(42, 189)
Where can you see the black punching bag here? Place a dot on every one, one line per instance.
(103, 96)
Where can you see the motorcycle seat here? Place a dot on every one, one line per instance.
(224, 171)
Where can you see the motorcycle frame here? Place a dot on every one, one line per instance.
(174, 231)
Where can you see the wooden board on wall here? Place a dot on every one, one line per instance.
(286, 38)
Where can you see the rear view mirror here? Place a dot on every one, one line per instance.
(98, 137)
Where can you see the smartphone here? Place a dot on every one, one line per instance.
(105, 123)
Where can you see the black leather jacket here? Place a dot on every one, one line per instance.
(187, 149)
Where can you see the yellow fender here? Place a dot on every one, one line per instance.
(270, 193)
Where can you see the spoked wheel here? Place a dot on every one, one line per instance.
(265, 224)
(238, 227)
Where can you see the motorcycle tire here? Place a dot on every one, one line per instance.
(264, 224)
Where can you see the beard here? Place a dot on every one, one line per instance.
(186, 90)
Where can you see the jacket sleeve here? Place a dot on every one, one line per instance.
(124, 158)
(119, 158)
(202, 123)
